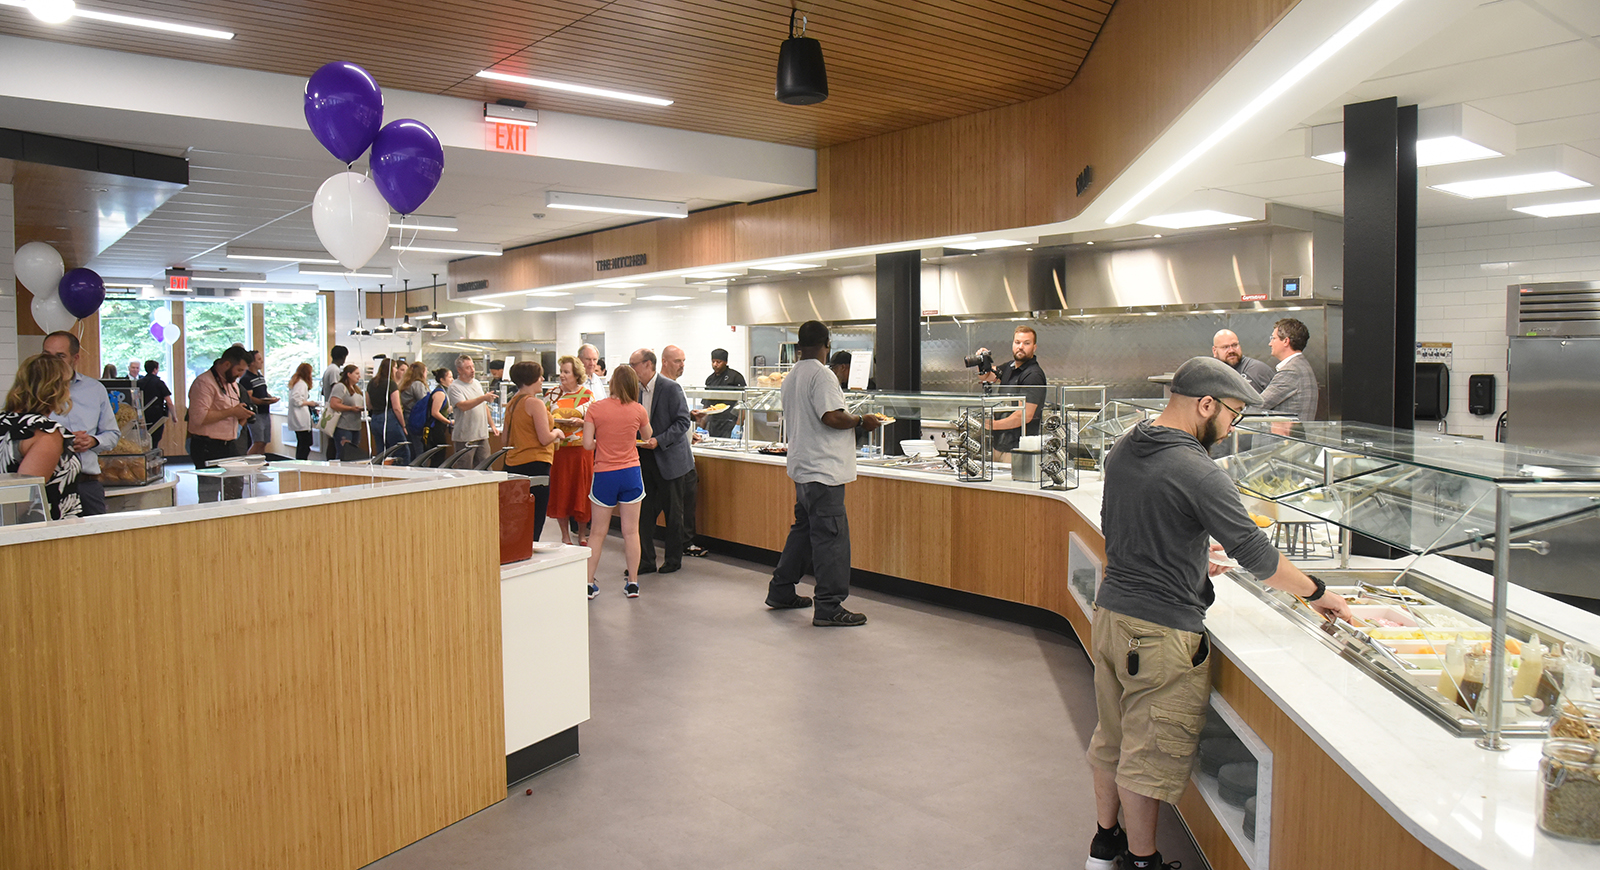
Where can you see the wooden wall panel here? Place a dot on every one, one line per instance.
(640, 238)
(295, 699)
(702, 237)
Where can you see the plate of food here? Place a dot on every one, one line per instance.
(717, 408)
(885, 419)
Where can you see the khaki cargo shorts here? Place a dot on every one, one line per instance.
(1150, 722)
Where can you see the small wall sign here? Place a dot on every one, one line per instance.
(628, 262)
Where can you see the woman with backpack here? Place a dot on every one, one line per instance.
(413, 389)
(532, 438)
(435, 424)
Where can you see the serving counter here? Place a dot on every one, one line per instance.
(1360, 777)
(306, 680)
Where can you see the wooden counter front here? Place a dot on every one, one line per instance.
(273, 689)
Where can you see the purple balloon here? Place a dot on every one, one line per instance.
(156, 332)
(407, 163)
(81, 292)
(344, 109)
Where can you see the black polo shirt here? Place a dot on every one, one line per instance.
(1019, 380)
(721, 425)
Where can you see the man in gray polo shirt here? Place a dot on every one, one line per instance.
(822, 459)
(1164, 498)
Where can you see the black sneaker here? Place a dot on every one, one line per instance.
(839, 617)
(797, 601)
(1155, 863)
(1106, 848)
(630, 589)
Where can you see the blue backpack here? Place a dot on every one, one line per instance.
(418, 419)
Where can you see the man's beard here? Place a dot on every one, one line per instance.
(1213, 432)
(1021, 356)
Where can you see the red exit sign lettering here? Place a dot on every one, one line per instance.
(509, 137)
(178, 282)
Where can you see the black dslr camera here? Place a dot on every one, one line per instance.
(983, 361)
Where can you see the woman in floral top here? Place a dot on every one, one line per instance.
(573, 470)
(33, 444)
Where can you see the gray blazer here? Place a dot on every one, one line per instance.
(1293, 390)
(669, 424)
(1258, 373)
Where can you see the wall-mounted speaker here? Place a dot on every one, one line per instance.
(1480, 395)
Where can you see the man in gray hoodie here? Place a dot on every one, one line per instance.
(1164, 498)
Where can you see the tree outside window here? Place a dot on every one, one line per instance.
(209, 328)
(294, 334)
(125, 335)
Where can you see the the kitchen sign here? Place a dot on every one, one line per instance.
(630, 261)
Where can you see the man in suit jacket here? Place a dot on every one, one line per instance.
(1293, 389)
(663, 460)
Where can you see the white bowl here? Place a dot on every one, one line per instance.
(918, 447)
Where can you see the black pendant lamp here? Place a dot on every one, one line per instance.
(802, 78)
(382, 328)
(359, 331)
(406, 328)
(433, 323)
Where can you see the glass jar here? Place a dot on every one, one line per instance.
(1577, 720)
(1569, 786)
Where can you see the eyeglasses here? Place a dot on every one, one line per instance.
(1237, 415)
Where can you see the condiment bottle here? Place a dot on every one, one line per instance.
(1474, 668)
(1454, 666)
(1577, 680)
(1529, 670)
(1549, 688)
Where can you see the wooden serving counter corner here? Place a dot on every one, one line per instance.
(1009, 543)
(255, 684)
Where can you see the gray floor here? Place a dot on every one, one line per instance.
(727, 735)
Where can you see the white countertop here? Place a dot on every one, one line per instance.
(1473, 807)
(545, 560)
(387, 480)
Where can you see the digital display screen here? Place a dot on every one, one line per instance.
(1291, 288)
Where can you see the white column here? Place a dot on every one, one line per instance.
(8, 289)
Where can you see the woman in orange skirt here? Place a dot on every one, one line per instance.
(573, 470)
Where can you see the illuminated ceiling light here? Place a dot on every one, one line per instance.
(615, 204)
(511, 112)
(435, 223)
(495, 305)
(619, 285)
(1538, 205)
(382, 328)
(279, 255)
(406, 328)
(219, 276)
(663, 297)
(1207, 208)
(1532, 170)
(986, 244)
(802, 76)
(711, 276)
(1457, 133)
(1309, 64)
(573, 89)
(550, 294)
(341, 272)
(431, 246)
(785, 266)
(720, 290)
(603, 298)
(550, 306)
(129, 283)
(599, 303)
(62, 11)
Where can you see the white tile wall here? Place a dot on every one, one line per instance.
(8, 288)
(1462, 274)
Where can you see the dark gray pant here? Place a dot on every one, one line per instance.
(661, 496)
(820, 538)
(92, 495)
(686, 490)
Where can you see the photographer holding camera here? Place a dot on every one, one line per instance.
(1020, 373)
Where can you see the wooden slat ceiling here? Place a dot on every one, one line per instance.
(892, 64)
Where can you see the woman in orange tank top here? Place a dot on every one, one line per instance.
(532, 438)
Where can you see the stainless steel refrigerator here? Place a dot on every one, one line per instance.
(1553, 402)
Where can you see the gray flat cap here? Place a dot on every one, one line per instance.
(1207, 376)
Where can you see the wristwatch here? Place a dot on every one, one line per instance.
(1321, 588)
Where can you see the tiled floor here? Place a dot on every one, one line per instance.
(725, 735)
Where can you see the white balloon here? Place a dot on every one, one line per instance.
(39, 268)
(51, 315)
(170, 333)
(351, 218)
(162, 316)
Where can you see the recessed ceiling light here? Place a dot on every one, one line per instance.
(1558, 209)
(619, 285)
(615, 204)
(720, 290)
(1507, 185)
(547, 308)
(1456, 133)
(785, 266)
(600, 303)
(550, 294)
(710, 276)
(1532, 170)
(985, 245)
(278, 255)
(547, 84)
(663, 297)
(433, 223)
(341, 272)
(1185, 219)
(433, 246)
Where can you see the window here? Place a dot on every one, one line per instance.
(125, 335)
(294, 335)
(209, 328)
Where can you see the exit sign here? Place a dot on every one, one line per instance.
(178, 282)
(508, 137)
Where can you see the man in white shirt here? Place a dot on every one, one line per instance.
(822, 459)
(473, 425)
(589, 355)
(330, 375)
